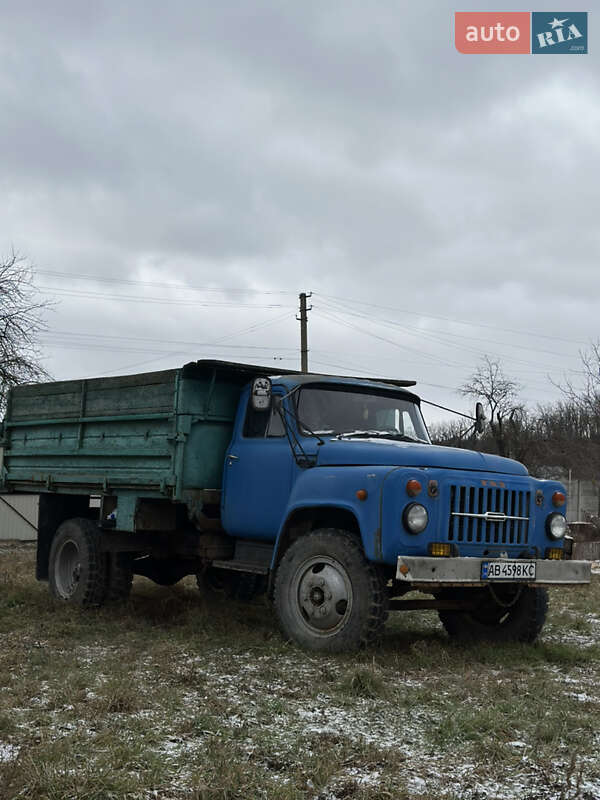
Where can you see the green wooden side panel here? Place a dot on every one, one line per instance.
(94, 435)
(151, 392)
(152, 434)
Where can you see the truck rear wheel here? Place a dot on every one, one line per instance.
(77, 568)
(327, 596)
(498, 613)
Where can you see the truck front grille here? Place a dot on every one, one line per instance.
(488, 515)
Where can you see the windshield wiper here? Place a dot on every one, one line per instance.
(390, 434)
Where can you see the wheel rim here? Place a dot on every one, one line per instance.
(67, 570)
(321, 595)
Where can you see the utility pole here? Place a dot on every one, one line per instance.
(303, 319)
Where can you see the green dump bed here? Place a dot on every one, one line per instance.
(159, 433)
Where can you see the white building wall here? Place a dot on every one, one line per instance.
(18, 516)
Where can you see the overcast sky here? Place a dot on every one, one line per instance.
(178, 172)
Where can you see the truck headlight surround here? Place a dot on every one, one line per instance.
(556, 525)
(415, 518)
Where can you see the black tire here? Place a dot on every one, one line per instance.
(499, 613)
(327, 596)
(119, 577)
(77, 568)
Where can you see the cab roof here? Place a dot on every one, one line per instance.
(309, 379)
(300, 377)
(292, 378)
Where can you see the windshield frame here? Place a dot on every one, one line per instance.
(412, 402)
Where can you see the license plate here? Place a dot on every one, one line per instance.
(508, 570)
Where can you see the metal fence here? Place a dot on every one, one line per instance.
(583, 498)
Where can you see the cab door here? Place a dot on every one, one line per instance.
(257, 475)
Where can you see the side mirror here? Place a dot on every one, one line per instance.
(261, 394)
(479, 418)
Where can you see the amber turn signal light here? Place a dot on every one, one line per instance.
(555, 553)
(362, 494)
(440, 549)
(413, 488)
(558, 499)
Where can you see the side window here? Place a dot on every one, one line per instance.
(255, 424)
(261, 424)
(408, 426)
(275, 427)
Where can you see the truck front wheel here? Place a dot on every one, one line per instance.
(327, 596)
(77, 567)
(498, 613)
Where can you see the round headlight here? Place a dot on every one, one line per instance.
(556, 526)
(415, 518)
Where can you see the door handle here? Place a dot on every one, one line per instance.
(231, 457)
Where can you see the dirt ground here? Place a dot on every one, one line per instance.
(182, 695)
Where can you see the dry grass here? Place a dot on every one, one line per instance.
(181, 696)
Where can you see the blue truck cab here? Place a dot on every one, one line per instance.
(324, 492)
(329, 466)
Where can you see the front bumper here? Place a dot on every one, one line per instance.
(441, 572)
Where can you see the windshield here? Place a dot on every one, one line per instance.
(350, 412)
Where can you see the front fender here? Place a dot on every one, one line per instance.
(336, 487)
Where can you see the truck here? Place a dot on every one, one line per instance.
(324, 492)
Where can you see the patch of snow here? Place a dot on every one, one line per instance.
(583, 697)
(564, 636)
(416, 784)
(364, 778)
(8, 752)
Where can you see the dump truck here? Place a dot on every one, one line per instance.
(323, 492)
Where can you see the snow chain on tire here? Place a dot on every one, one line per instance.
(521, 620)
(327, 595)
(77, 567)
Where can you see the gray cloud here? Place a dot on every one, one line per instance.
(338, 147)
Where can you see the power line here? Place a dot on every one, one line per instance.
(420, 334)
(149, 340)
(85, 338)
(160, 285)
(448, 319)
(246, 290)
(396, 324)
(83, 345)
(135, 364)
(400, 345)
(404, 347)
(156, 300)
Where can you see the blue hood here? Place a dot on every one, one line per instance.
(385, 452)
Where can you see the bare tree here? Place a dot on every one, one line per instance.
(572, 425)
(587, 396)
(501, 395)
(21, 323)
(449, 433)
